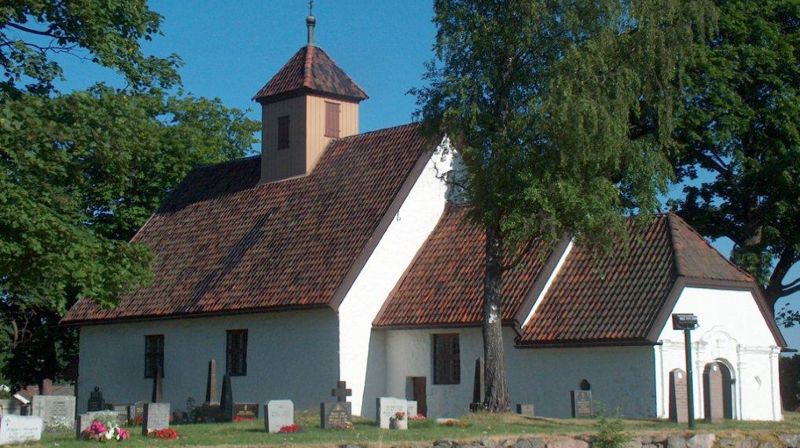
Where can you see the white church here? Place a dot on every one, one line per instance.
(335, 255)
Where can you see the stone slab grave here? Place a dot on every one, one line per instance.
(156, 416)
(136, 413)
(338, 414)
(245, 411)
(56, 411)
(121, 410)
(526, 410)
(582, 405)
(713, 400)
(387, 410)
(411, 407)
(83, 421)
(10, 406)
(678, 397)
(277, 414)
(19, 429)
(96, 402)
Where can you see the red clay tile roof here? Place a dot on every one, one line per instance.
(444, 284)
(618, 296)
(310, 69)
(223, 243)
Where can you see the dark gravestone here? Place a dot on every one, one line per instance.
(96, 402)
(226, 403)
(158, 390)
(336, 415)
(341, 392)
(713, 398)
(211, 383)
(477, 388)
(136, 413)
(156, 416)
(245, 411)
(582, 406)
(678, 398)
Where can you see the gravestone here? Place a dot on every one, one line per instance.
(335, 415)
(277, 414)
(245, 411)
(47, 387)
(55, 410)
(678, 398)
(10, 407)
(526, 410)
(211, 383)
(582, 406)
(226, 403)
(713, 393)
(388, 408)
(158, 388)
(96, 402)
(156, 416)
(121, 411)
(19, 429)
(477, 388)
(136, 413)
(411, 405)
(83, 421)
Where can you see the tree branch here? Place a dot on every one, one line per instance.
(48, 33)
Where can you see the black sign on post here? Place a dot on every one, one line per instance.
(687, 323)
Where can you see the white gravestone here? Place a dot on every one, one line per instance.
(57, 411)
(388, 408)
(83, 421)
(277, 414)
(411, 405)
(18, 429)
(156, 416)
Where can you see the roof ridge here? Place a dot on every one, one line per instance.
(675, 220)
(308, 78)
(376, 131)
(226, 162)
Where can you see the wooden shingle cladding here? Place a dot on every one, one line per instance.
(223, 243)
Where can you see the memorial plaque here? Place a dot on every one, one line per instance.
(19, 429)
(56, 411)
(678, 398)
(245, 411)
(582, 406)
(526, 410)
(712, 393)
(387, 409)
(277, 414)
(96, 402)
(156, 416)
(335, 415)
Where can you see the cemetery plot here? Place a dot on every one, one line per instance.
(19, 429)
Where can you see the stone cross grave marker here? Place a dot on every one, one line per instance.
(19, 429)
(388, 408)
(526, 410)
(156, 416)
(57, 411)
(582, 406)
(245, 411)
(678, 398)
(337, 414)
(713, 394)
(96, 402)
(277, 414)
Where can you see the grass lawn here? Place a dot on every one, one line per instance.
(366, 432)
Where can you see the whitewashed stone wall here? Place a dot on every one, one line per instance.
(621, 377)
(732, 331)
(289, 355)
(361, 350)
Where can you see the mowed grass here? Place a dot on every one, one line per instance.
(365, 432)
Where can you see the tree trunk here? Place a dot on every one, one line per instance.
(775, 288)
(496, 385)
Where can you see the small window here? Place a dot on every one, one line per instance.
(446, 359)
(236, 353)
(331, 119)
(283, 132)
(153, 355)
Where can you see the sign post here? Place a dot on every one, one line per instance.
(687, 323)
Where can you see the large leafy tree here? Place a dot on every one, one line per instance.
(741, 135)
(562, 112)
(80, 172)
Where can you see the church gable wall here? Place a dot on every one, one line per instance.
(733, 332)
(289, 355)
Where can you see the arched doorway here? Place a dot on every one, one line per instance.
(717, 391)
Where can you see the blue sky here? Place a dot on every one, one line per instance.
(231, 49)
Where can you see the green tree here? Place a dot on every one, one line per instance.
(741, 138)
(81, 172)
(562, 113)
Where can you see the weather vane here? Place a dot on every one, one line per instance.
(310, 22)
(311, 7)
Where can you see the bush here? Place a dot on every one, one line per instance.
(610, 433)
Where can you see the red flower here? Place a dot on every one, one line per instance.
(290, 428)
(166, 433)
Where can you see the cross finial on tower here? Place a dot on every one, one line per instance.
(310, 22)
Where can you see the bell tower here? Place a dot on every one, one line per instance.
(308, 103)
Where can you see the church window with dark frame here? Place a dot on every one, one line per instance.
(283, 132)
(332, 111)
(236, 353)
(153, 355)
(446, 359)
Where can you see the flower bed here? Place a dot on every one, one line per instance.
(105, 429)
